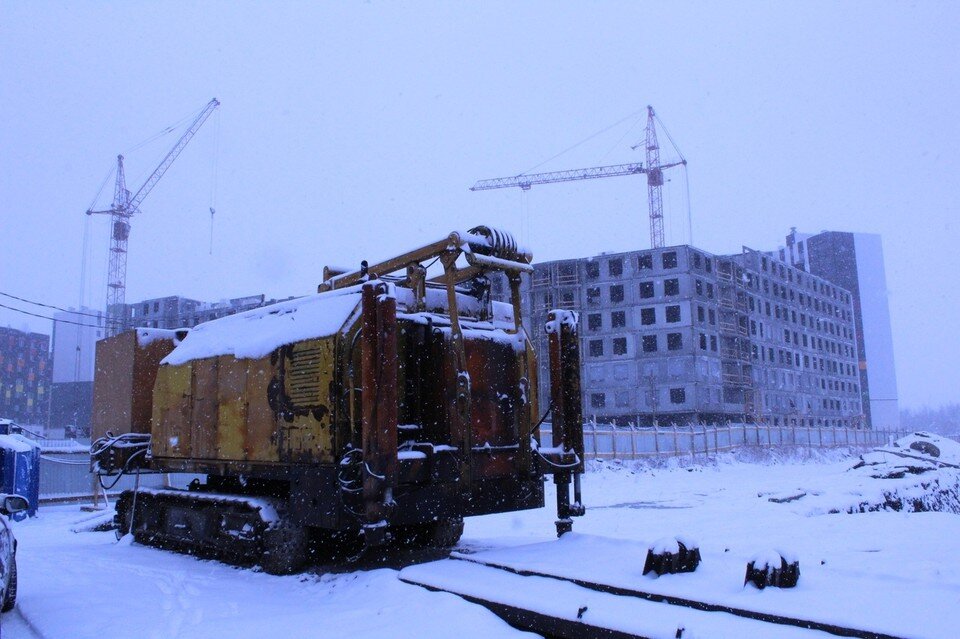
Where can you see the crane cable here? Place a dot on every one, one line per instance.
(165, 131)
(622, 137)
(686, 177)
(583, 141)
(213, 181)
(176, 126)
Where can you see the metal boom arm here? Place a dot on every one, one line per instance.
(172, 155)
(654, 172)
(123, 208)
(527, 180)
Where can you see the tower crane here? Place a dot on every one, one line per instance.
(653, 170)
(126, 206)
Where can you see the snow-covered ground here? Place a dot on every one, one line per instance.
(86, 584)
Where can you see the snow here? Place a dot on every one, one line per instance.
(16, 443)
(266, 508)
(893, 572)
(665, 544)
(563, 318)
(258, 332)
(920, 446)
(146, 336)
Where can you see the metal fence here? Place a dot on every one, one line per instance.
(65, 465)
(65, 473)
(604, 441)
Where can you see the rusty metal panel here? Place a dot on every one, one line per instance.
(113, 385)
(203, 423)
(261, 439)
(232, 408)
(172, 399)
(494, 387)
(439, 392)
(146, 363)
(307, 374)
(123, 383)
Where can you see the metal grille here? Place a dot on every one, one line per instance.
(303, 377)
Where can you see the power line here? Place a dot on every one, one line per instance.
(46, 317)
(57, 308)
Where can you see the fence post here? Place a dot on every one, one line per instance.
(693, 443)
(633, 442)
(613, 440)
(676, 441)
(656, 440)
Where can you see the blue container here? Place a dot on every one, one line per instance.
(20, 471)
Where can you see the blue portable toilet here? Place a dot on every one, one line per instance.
(20, 471)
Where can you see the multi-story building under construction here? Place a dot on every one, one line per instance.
(676, 335)
(181, 312)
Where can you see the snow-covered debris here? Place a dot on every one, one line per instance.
(914, 454)
(918, 473)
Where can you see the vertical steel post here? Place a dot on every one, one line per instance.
(566, 398)
(380, 408)
(461, 431)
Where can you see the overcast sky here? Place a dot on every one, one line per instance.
(351, 131)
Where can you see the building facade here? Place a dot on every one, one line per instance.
(75, 335)
(25, 372)
(855, 262)
(680, 336)
(181, 312)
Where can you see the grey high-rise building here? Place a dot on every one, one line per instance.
(75, 334)
(855, 262)
(678, 335)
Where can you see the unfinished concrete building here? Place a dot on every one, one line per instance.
(677, 336)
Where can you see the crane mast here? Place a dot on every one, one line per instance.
(654, 183)
(653, 170)
(123, 208)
